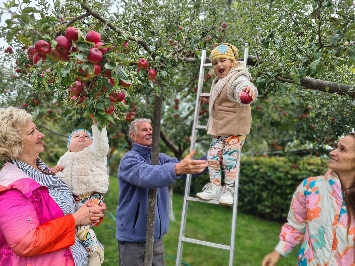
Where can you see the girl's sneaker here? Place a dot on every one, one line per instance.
(227, 195)
(210, 191)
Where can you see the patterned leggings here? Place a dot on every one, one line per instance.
(223, 154)
(85, 234)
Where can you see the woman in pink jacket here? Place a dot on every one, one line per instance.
(321, 216)
(38, 213)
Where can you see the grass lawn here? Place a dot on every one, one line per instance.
(209, 222)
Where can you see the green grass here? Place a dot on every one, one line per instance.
(254, 237)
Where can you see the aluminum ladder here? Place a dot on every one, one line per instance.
(187, 197)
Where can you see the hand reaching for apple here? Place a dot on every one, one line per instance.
(94, 121)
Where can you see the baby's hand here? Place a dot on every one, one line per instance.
(94, 121)
(57, 168)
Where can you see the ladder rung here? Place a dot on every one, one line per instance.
(204, 201)
(205, 243)
(207, 64)
(205, 94)
(201, 127)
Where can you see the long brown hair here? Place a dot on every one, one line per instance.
(349, 196)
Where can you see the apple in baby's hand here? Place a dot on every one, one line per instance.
(245, 97)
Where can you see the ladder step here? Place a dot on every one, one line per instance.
(207, 64)
(205, 243)
(205, 94)
(201, 127)
(204, 201)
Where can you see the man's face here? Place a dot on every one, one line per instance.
(143, 134)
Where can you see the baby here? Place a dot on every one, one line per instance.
(84, 168)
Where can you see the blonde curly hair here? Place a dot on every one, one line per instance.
(11, 121)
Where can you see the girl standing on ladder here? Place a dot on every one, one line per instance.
(229, 121)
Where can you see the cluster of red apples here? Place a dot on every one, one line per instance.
(67, 44)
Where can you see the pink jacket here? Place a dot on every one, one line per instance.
(33, 229)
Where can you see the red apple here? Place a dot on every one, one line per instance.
(245, 97)
(152, 74)
(120, 96)
(142, 63)
(64, 44)
(37, 57)
(76, 90)
(124, 84)
(81, 99)
(9, 50)
(71, 33)
(125, 44)
(107, 73)
(110, 110)
(93, 36)
(35, 102)
(112, 98)
(97, 71)
(111, 81)
(31, 52)
(64, 57)
(95, 55)
(98, 45)
(224, 25)
(25, 105)
(54, 54)
(42, 47)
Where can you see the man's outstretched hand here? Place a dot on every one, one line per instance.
(190, 166)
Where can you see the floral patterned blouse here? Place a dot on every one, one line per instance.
(318, 218)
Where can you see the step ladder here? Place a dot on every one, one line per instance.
(187, 197)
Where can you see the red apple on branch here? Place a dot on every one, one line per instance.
(120, 96)
(152, 74)
(95, 55)
(96, 71)
(124, 84)
(107, 73)
(42, 47)
(102, 49)
(142, 63)
(63, 44)
(54, 54)
(111, 81)
(37, 57)
(110, 110)
(31, 52)
(71, 33)
(35, 102)
(93, 36)
(245, 97)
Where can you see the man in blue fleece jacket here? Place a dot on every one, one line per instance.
(136, 176)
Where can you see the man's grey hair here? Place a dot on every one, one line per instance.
(133, 126)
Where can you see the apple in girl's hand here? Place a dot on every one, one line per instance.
(245, 97)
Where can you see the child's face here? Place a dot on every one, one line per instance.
(221, 67)
(79, 141)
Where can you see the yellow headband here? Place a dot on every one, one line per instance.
(224, 50)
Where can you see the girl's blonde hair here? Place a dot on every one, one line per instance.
(11, 121)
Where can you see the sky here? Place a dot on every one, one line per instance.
(2, 22)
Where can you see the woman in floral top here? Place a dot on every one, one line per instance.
(321, 215)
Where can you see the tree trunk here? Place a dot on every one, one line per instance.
(149, 244)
